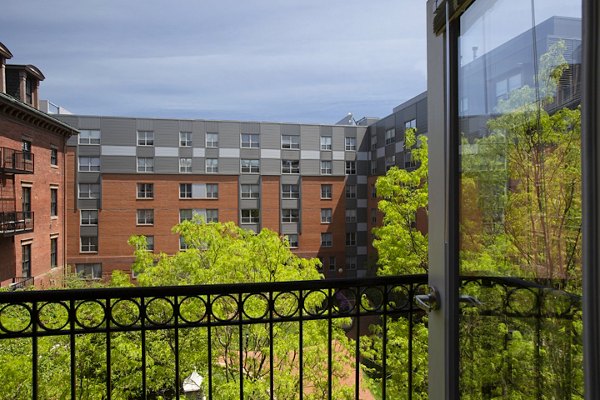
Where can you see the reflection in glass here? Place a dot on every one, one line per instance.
(520, 188)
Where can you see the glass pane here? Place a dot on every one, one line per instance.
(520, 209)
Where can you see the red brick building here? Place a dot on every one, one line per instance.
(32, 181)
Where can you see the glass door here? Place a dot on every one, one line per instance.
(518, 73)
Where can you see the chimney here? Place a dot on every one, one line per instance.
(5, 54)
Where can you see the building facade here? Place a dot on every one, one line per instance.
(311, 183)
(32, 181)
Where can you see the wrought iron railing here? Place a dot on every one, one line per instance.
(14, 222)
(16, 161)
(359, 338)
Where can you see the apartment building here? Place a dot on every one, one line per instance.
(32, 181)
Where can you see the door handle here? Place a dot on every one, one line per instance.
(428, 302)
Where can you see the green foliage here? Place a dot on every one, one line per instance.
(401, 247)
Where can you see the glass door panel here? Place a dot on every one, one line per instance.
(520, 199)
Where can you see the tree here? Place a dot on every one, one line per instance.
(401, 247)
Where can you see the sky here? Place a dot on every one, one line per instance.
(256, 60)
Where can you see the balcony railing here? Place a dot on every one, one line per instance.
(359, 338)
(15, 222)
(16, 161)
(21, 282)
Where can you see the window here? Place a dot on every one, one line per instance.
(185, 215)
(408, 160)
(145, 216)
(332, 263)
(54, 202)
(250, 141)
(250, 191)
(290, 166)
(145, 138)
(26, 260)
(89, 217)
(373, 215)
(145, 190)
(185, 165)
(350, 144)
(212, 190)
(145, 164)
(374, 167)
(351, 215)
(410, 124)
(350, 238)
(390, 136)
(53, 252)
(325, 215)
(89, 244)
(26, 147)
(212, 215)
(293, 240)
(250, 166)
(89, 191)
(326, 191)
(290, 192)
(326, 239)
(89, 271)
(290, 215)
(212, 165)
(250, 216)
(53, 156)
(89, 164)
(212, 140)
(185, 190)
(350, 167)
(325, 142)
(350, 191)
(182, 244)
(290, 142)
(325, 167)
(507, 85)
(89, 136)
(390, 161)
(185, 139)
(150, 243)
(374, 142)
(373, 191)
(350, 262)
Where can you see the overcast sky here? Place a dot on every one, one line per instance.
(260, 60)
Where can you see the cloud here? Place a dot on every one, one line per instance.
(294, 61)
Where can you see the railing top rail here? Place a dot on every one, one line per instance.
(210, 289)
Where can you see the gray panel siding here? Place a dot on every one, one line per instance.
(118, 132)
(289, 228)
(88, 204)
(198, 165)
(270, 166)
(339, 168)
(290, 154)
(250, 179)
(291, 179)
(88, 230)
(250, 127)
(311, 137)
(186, 151)
(326, 155)
(252, 154)
(270, 136)
(166, 133)
(289, 203)
(310, 167)
(144, 124)
(118, 164)
(145, 151)
(89, 177)
(88, 150)
(168, 165)
(246, 204)
(293, 129)
(230, 166)
(337, 141)
(229, 134)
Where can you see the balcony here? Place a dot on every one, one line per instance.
(16, 161)
(359, 338)
(15, 222)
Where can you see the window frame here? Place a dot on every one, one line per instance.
(252, 142)
(350, 191)
(350, 167)
(89, 191)
(53, 202)
(252, 166)
(144, 217)
(211, 165)
(88, 219)
(350, 239)
(90, 165)
(90, 247)
(250, 218)
(288, 143)
(326, 215)
(148, 194)
(212, 190)
(185, 192)
(325, 143)
(185, 169)
(290, 166)
(326, 239)
(91, 141)
(249, 194)
(324, 169)
(211, 144)
(145, 138)
(350, 143)
(290, 215)
(289, 192)
(328, 193)
(148, 165)
(185, 139)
